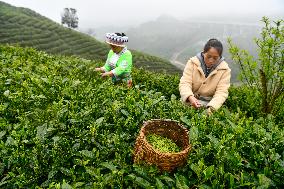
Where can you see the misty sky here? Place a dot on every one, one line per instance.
(97, 13)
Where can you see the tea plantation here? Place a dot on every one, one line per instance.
(62, 126)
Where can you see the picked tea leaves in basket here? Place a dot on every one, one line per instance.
(164, 143)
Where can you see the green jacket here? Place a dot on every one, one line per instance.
(120, 64)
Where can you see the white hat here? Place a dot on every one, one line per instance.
(116, 39)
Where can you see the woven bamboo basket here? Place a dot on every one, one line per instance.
(144, 152)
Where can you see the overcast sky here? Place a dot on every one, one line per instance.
(96, 13)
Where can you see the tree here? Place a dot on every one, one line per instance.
(69, 17)
(266, 73)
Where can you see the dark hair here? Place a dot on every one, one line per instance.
(120, 34)
(215, 44)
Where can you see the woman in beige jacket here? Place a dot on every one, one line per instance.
(206, 78)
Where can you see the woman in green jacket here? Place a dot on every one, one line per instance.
(119, 60)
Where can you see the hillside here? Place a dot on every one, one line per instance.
(29, 29)
(62, 126)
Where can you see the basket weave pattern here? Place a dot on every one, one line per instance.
(164, 161)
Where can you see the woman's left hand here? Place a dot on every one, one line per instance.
(107, 74)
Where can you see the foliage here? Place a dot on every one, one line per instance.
(266, 74)
(62, 126)
(70, 18)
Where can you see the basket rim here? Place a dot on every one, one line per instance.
(167, 120)
(161, 120)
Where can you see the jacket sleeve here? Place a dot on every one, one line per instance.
(107, 67)
(185, 85)
(221, 93)
(124, 66)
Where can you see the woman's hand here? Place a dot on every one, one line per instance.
(194, 102)
(106, 74)
(99, 69)
(209, 110)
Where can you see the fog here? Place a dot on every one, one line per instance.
(98, 13)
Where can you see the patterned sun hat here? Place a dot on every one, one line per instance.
(116, 39)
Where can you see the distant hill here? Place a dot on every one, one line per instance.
(25, 27)
(179, 40)
(166, 35)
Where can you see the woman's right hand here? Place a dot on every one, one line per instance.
(194, 102)
(98, 69)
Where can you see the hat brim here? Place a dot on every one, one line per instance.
(110, 43)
